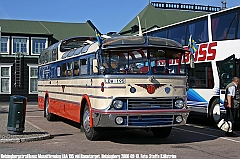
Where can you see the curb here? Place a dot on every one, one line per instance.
(28, 139)
(43, 136)
(31, 132)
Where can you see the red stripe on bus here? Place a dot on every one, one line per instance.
(89, 108)
(41, 102)
(62, 108)
(65, 109)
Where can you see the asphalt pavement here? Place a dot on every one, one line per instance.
(30, 133)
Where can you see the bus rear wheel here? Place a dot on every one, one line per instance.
(215, 112)
(162, 132)
(91, 133)
(49, 116)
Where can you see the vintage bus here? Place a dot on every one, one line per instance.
(216, 61)
(128, 82)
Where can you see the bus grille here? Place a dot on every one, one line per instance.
(150, 120)
(148, 104)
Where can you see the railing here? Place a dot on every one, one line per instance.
(180, 6)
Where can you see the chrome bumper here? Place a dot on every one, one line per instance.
(139, 118)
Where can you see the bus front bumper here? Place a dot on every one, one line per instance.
(139, 118)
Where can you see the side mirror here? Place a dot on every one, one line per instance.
(95, 66)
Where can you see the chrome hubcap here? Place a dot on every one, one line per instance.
(46, 111)
(216, 112)
(86, 121)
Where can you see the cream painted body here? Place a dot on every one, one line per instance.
(76, 88)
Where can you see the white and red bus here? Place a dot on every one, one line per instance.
(129, 82)
(216, 61)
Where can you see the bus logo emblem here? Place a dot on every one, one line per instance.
(167, 90)
(150, 87)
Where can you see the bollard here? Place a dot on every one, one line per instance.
(16, 114)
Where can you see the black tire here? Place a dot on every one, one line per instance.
(161, 132)
(49, 116)
(91, 133)
(214, 112)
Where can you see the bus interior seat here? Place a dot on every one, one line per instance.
(143, 69)
(158, 69)
(76, 72)
(64, 73)
(114, 65)
(69, 72)
(105, 65)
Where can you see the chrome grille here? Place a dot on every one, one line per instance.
(149, 103)
(150, 120)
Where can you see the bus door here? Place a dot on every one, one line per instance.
(237, 64)
(226, 71)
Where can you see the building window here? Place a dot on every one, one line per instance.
(4, 44)
(33, 79)
(20, 44)
(5, 82)
(38, 44)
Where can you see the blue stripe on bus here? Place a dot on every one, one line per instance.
(194, 96)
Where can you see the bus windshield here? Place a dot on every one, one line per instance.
(144, 61)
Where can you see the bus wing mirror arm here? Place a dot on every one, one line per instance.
(95, 66)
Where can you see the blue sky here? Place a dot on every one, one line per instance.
(106, 15)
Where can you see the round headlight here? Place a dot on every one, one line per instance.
(179, 104)
(119, 120)
(179, 119)
(117, 104)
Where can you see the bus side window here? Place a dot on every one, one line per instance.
(228, 33)
(76, 69)
(69, 68)
(91, 65)
(201, 76)
(83, 66)
(54, 55)
(64, 70)
(192, 81)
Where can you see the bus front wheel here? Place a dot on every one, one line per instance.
(215, 112)
(161, 132)
(47, 114)
(91, 133)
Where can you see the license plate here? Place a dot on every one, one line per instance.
(114, 81)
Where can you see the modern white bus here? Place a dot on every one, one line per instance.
(129, 82)
(216, 61)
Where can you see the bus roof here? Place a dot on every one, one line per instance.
(76, 42)
(195, 18)
(74, 46)
(139, 41)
